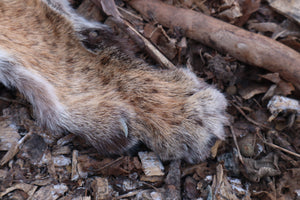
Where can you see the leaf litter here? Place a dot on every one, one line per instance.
(258, 160)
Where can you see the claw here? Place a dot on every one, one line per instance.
(124, 127)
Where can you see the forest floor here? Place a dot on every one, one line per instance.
(260, 157)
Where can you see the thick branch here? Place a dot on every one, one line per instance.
(245, 46)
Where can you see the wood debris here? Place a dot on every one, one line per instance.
(260, 158)
(100, 188)
(245, 46)
(151, 164)
(50, 192)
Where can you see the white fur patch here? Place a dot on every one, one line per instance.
(38, 91)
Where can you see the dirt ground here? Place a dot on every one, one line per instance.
(260, 158)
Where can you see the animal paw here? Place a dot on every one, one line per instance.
(203, 123)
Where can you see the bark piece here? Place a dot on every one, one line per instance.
(245, 46)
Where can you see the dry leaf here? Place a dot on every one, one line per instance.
(290, 9)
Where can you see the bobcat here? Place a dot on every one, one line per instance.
(113, 100)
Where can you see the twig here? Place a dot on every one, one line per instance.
(155, 53)
(108, 164)
(276, 146)
(249, 119)
(111, 9)
(149, 185)
(236, 144)
(129, 194)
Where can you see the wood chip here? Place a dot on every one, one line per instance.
(101, 188)
(60, 161)
(61, 150)
(152, 179)
(50, 192)
(151, 164)
(82, 198)
(29, 189)
(65, 140)
(75, 174)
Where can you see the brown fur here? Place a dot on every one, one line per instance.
(111, 99)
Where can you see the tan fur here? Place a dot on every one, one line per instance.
(111, 99)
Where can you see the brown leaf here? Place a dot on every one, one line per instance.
(252, 90)
(273, 77)
(248, 7)
(284, 88)
(214, 149)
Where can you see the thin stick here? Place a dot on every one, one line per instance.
(236, 144)
(249, 119)
(155, 53)
(109, 164)
(278, 147)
